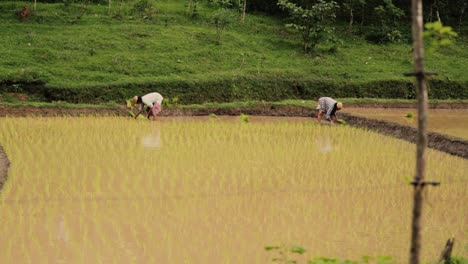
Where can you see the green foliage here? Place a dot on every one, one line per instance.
(437, 35)
(387, 28)
(228, 4)
(244, 118)
(342, 122)
(457, 260)
(222, 19)
(314, 24)
(409, 115)
(263, 87)
(100, 58)
(145, 8)
(192, 8)
(5, 97)
(212, 115)
(298, 250)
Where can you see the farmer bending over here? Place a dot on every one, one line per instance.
(328, 106)
(152, 100)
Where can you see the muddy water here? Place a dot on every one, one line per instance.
(201, 190)
(452, 122)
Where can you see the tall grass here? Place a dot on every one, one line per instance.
(116, 190)
(101, 50)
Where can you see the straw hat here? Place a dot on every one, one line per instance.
(339, 105)
(135, 99)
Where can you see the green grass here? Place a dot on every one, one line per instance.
(235, 104)
(102, 51)
(59, 105)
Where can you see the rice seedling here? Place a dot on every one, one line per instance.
(112, 190)
(244, 118)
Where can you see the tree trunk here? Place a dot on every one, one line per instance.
(430, 13)
(418, 53)
(109, 12)
(35, 2)
(351, 17)
(120, 6)
(460, 20)
(438, 15)
(244, 7)
(363, 12)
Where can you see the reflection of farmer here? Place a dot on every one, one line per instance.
(152, 101)
(328, 106)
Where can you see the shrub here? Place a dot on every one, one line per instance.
(222, 19)
(225, 89)
(145, 8)
(314, 24)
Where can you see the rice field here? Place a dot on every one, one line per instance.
(453, 122)
(201, 190)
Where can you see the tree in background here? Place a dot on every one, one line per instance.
(227, 4)
(222, 19)
(314, 24)
(437, 35)
(244, 7)
(351, 6)
(145, 8)
(386, 29)
(192, 8)
(238, 5)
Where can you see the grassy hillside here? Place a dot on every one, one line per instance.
(101, 58)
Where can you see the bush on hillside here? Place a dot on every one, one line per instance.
(145, 8)
(225, 89)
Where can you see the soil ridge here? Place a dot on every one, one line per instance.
(4, 165)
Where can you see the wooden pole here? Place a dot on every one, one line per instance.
(421, 90)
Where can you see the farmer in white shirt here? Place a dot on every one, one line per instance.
(152, 101)
(328, 106)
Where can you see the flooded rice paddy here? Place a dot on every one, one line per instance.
(200, 190)
(453, 122)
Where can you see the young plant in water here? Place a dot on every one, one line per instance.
(283, 253)
(244, 118)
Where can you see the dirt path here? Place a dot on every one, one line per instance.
(4, 165)
(452, 145)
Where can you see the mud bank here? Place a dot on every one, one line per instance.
(4, 165)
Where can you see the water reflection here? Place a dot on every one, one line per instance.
(152, 139)
(324, 145)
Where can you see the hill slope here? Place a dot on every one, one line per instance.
(101, 58)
